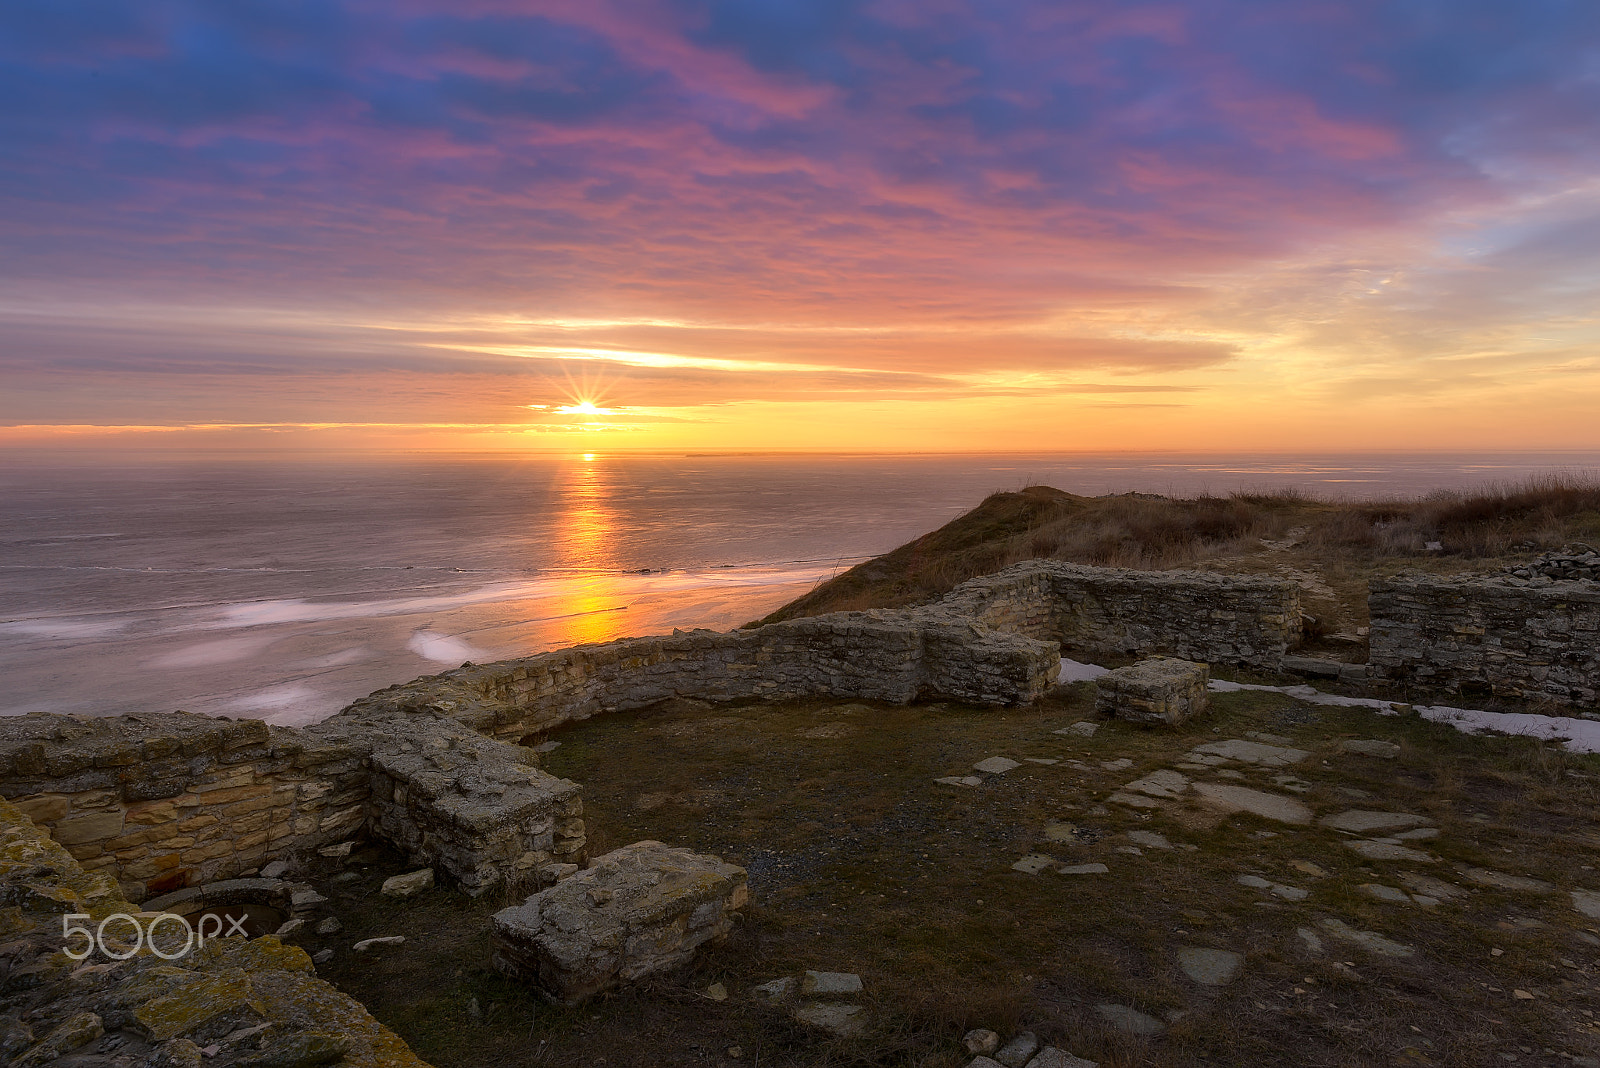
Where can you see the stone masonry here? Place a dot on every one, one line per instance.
(243, 1002)
(1197, 615)
(637, 910)
(1158, 691)
(1494, 635)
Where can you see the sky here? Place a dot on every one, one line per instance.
(891, 225)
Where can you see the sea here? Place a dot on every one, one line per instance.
(285, 588)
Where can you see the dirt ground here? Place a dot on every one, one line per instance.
(860, 862)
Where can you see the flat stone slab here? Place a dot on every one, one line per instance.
(1390, 851)
(1373, 943)
(1116, 765)
(1061, 832)
(960, 780)
(1365, 821)
(1122, 797)
(1083, 869)
(1256, 802)
(1130, 1020)
(776, 989)
(414, 882)
(1426, 884)
(831, 983)
(1149, 839)
(1034, 863)
(1042, 760)
(839, 1018)
(1586, 902)
(1391, 894)
(1288, 893)
(1082, 729)
(1248, 752)
(1162, 783)
(997, 765)
(1499, 880)
(1209, 967)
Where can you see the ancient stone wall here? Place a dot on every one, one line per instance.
(1196, 615)
(256, 1002)
(1492, 635)
(897, 656)
(167, 800)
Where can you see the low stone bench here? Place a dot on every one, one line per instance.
(637, 910)
(1161, 690)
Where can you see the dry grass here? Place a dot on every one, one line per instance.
(859, 862)
(1244, 532)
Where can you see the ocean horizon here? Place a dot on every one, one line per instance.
(284, 588)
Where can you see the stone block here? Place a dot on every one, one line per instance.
(1161, 690)
(45, 808)
(637, 910)
(88, 827)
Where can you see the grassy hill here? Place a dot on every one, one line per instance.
(1331, 548)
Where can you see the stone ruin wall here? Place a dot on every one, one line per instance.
(154, 1010)
(1196, 615)
(1488, 634)
(170, 800)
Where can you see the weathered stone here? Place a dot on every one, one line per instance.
(1034, 863)
(1131, 1020)
(1365, 821)
(1019, 1051)
(637, 910)
(1083, 869)
(1149, 839)
(1586, 902)
(1211, 967)
(776, 989)
(1160, 783)
(1272, 756)
(299, 1051)
(980, 1042)
(831, 983)
(1374, 943)
(1390, 851)
(89, 827)
(408, 885)
(1391, 894)
(996, 765)
(1161, 690)
(1499, 880)
(372, 943)
(836, 1017)
(1256, 802)
(1082, 729)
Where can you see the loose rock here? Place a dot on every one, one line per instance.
(409, 884)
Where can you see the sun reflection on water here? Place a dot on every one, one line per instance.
(584, 544)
